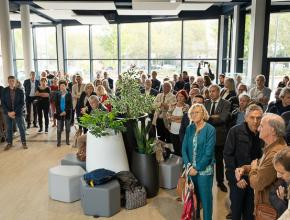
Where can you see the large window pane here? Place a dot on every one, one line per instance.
(20, 70)
(200, 39)
(134, 41)
(18, 43)
(166, 40)
(45, 38)
(191, 66)
(104, 39)
(50, 65)
(138, 64)
(247, 35)
(277, 71)
(278, 45)
(79, 66)
(1, 66)
(166, 68)
(77, 42)
(109, 66)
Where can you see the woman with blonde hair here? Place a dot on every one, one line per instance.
(229, 89)
(103, 96)
(198, 149)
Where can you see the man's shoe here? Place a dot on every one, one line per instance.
(35, 126)
(58, 145)
(229, 216)
(8, 146)
(28, 126)
(222, 187)
(24, 146)
(46, 131)
(40, 131)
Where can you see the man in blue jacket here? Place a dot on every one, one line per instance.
(13, 103)
(242, 146)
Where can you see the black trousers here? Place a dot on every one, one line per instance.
(242, 202)
(29, 102)
(162, 131)
(176, 144)
(219, 168)
(43, 107)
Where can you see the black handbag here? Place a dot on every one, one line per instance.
(98, 177)
(135, 198)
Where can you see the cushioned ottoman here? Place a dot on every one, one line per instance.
(169, 172)
(72, 160)
(102, 200)
(64, 183)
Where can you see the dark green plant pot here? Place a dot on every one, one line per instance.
(145, 169)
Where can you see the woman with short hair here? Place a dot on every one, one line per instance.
(42, 93)
(198, 149)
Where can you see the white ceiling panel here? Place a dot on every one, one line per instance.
(33, 18)
(77, 5)
(194, 7)
(155, 4)
(147, 12)
(207, 1)
(91, 19)
(58, 14)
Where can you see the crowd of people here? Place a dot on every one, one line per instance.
(223, 123)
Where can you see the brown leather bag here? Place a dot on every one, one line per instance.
(265, 212)
(82, 153)
(181, 185)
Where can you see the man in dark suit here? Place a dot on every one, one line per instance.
(148, 90)
(219, 111)
(13, 103)
(30, 86)
(110, 80)
(155, 82)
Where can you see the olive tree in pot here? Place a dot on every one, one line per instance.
(105, 146)
(131, 104)
(144, 163)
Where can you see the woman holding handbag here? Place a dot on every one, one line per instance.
(198, 155)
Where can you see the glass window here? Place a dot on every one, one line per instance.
(200, 39)
(109, 66)
(139, 64)
(191, 66)
(50, 65)
(77, 42)
(1, 66)
(166, 40)
(134, 41)
(166, 68)
(277, 71)
(20, 70)
(18, 43)
(247, 35)
(104, 38)
(79, 66)
(278, 45)
(45, 38)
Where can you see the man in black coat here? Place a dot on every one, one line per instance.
(30, 86)
(12, 100)
(242, 146)
(219, 111)
(110, 80)
(148, 90)
(155, 82)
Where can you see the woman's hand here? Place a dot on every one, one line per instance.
(239, 172)
(254, 164)
(281, 192)
(192, 172)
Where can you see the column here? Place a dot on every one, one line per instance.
(221, 44)
(257, 38)
(6, 42)
(235, 36)
(60, 53)
(26, 38)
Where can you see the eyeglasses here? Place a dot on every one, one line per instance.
(195, 113)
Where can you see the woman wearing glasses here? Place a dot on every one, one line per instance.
(198, 154)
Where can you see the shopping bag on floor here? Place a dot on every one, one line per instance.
(189, 202)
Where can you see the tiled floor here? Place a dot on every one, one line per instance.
(24, 187)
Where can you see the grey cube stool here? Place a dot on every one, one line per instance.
(72, 160)
(102, 200)
(64, 183)
(169, 172)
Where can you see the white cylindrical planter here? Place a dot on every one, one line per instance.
(106, 152)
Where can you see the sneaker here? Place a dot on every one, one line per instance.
(46, 131)
(40, 131)
(8, 146)
(24, 146)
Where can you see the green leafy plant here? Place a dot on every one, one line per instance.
(100, 122)
(145, 144)
(129, 101)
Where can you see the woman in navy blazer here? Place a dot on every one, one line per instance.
(198, 149)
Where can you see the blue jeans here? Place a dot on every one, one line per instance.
(203, 187)
(20, 124)
(60, 124)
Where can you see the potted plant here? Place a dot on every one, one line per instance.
(144, 163)
(105, 146)
(131, 104)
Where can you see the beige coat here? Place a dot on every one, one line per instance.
(262, 178)
(77, 93)
(169, 99)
